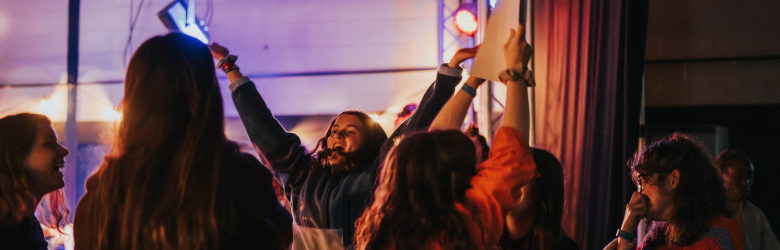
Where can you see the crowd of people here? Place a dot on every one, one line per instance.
(172, 180)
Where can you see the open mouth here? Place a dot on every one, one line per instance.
(338, 147)
(58, 166)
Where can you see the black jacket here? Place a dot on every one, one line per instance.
(320, 201)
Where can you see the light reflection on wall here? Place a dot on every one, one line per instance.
(5, 23)
(54, 105)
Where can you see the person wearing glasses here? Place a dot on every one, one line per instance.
(682, 194)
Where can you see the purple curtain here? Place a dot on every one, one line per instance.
(589, 58)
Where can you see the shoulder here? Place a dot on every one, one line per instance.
(509, 147)
(751, 211)
(25, 235)
(246, 165)
(725, 232)
(510, 137)
(85, 213)
(720, 221)
(92, 182)
(511, 157)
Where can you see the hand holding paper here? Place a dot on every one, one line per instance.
(490, 60)
(517, 52)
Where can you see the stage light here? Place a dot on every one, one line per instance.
(180, 16)
(112, 114)
(374, 116)
(465, 19)
(492, 3)
(52, 107)
(48, 108)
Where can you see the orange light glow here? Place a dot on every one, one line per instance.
(466, 22)
(374, 116)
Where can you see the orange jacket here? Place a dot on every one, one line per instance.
(496, 187)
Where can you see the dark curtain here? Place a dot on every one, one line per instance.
(588, 64)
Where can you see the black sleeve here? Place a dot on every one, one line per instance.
(263, 219)
(433, 100)
(281, 149)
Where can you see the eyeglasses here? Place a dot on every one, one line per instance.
(646, 177)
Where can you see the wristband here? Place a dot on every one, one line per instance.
(230, 59)
(528, 76)
(231, 68)
(509, 74)
(625, 235)
(471, 91)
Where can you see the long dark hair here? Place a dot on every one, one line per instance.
(17, 138)
(373, 136)
(423, 178)
(699, 195)
(548, 189)
(167, 182)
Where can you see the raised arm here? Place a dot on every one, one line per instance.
(496, 187)
(517, 53)
(435, 97)
(454, 111)
(283, 150)
(219, 52)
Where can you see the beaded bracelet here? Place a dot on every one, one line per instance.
(228, 69)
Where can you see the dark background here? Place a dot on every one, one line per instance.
(717, 63)
(752, 128)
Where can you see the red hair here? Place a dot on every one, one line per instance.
(17, 138)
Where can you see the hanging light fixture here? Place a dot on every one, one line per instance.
(180, 16)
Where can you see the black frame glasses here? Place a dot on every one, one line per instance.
(641, 176)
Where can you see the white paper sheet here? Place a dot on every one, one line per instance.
(489, 61)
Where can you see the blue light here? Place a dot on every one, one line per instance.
(184, 20)
(492, 3)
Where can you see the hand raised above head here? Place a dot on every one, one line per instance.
(217, 51)
(462, 55)
(517, 52)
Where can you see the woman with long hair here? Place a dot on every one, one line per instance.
(173, 180)
(329, 187)
(535, 221)
(430, 194)
(683, 194)
(30, 178)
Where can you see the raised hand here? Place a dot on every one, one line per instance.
(517, 52)
(462, 55)
(220, 53)
(217, 51)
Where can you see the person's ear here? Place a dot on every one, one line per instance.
(674, 178)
